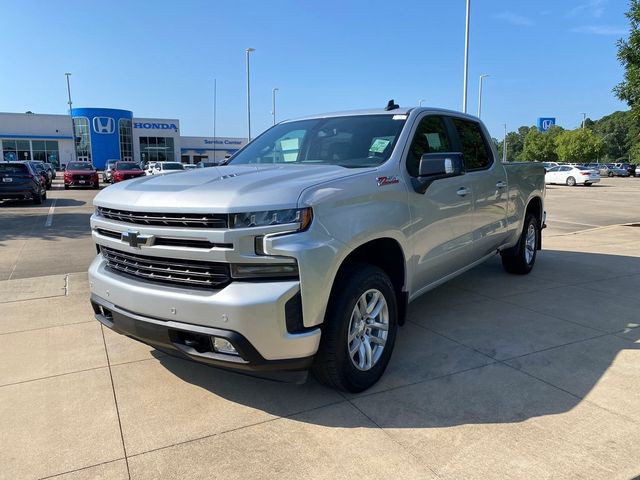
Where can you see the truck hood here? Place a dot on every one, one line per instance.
(225, 189)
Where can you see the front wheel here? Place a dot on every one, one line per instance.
(521, 260)
(359, 330)
(571, 182)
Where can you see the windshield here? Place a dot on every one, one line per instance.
(79, 166)
(172, 166)
(127, 166)
(353, 141)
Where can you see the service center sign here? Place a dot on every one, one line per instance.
(545, 123)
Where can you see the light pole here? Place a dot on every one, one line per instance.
(504, 145)
(273, 103)
(249, 50)
(584, 118)
(73, 126)
(215, 93)
(420, 101)
(466, 58)
(482, 77)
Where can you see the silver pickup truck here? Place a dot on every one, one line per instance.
(305, 249)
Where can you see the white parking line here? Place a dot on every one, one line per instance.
(50, 216)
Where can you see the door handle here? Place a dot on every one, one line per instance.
(501, 184)
(462, 191)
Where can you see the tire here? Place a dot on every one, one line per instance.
(37, 198)
(610, 174)
(334, 365)
(588, 184)
(44, 195)
(66, 187)
(522, 260)
(96, 185)
(571, 181)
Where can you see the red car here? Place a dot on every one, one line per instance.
(80, 174)
(125, 170)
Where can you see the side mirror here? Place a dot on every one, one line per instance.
(435, 166)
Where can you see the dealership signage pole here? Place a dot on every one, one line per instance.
(482, 77)
(273, 104)
(215, 93)
(73, 126)
(466, 59)
(249, 50)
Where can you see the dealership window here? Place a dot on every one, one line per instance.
(156, 149)
(16, 150)
(83, 138)
(46, 151)
(126, 139)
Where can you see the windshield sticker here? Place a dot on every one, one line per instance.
(378, 145)
(399, 117)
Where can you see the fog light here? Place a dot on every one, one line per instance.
(220, 345)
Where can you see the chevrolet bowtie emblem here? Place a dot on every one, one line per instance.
(135, 240)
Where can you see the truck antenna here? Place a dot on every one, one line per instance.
(391, 105)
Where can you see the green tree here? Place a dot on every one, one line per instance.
(539, 146)
(629, 56)
(580, 145)
(617, 132)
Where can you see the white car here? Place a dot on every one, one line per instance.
(162, 168)
(572, 175)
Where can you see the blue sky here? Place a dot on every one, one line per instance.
(159, 58)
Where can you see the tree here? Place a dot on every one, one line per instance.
(629, 56)
(540, 146)
(617, 132)
(580, 145)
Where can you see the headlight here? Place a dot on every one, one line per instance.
(301, 216)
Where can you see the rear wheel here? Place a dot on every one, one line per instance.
(37, 197)
(359, 330)
(611, 174)
(66, 187)
(96, 185)
(521, 260)
(588, 184)
(571, 182)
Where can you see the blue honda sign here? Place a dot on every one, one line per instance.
(546, 123)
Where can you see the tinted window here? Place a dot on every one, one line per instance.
(79, 166)
(430, 137)
(127, 166)
(350, 141)
(173, 166)
(14, 169)
(554, 169)
(475, 150)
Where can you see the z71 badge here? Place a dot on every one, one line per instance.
(382, 181)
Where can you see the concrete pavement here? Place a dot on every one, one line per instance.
(494, 375)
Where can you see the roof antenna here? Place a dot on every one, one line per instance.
(391, 105)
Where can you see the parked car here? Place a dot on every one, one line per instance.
(207, 164)
(189, 166)
(20, 180)
(163, 168)
(39, 167)
(81, 174)
(125, 171)
(571, 176)
(51, 169)
(108, 171)
(548, 165)
(630, 168)
(611, 170)
(331, 224)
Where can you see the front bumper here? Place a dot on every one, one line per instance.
(251, 315)
(81, 183)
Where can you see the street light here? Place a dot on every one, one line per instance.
(482, 77)
(504, 145)
(249, 50)
(215, 99)
(73, 126)
(466, 59)
(273, 103)
(584, 118)
(420, 101)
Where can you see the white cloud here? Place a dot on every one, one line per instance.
(515, 19)
(601, 30)
(592, 8)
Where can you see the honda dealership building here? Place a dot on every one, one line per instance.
(102, 134)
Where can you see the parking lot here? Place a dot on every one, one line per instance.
(493, 376)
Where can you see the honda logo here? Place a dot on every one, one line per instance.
(135, 240)
(106, 125)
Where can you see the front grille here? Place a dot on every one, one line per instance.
(176, 272)
(191, 220)
(171, 242)
(81, 177)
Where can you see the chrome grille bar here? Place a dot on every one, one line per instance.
(193, 220)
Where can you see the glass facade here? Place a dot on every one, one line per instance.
(83, 138)
(156, 149)
(44, 150)
(126, 139)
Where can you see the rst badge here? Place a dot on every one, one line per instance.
(382, 181)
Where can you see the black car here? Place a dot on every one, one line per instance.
(19, 180)
(39, 167)
(51, 169)
(629, 168)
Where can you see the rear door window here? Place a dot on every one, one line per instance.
(476, 152)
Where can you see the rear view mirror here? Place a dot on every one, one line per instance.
(435, 166)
